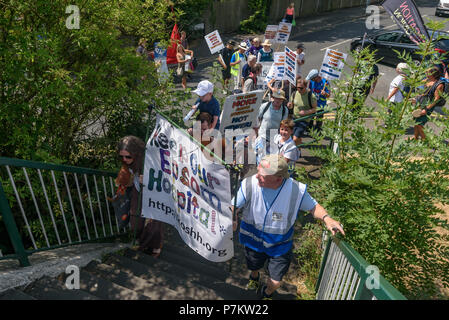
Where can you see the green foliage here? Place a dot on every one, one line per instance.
(387, 190)
(258, 21)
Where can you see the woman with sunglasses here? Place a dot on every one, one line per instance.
(131, 151)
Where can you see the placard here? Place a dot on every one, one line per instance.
(270, 33)
(261, 79)
(290, 66)
(214, 42)
(333, 64)
(283, 33)
(183, 188)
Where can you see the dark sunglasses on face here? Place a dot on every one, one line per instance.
(300, 87)
(126, 157)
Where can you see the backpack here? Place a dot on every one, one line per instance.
(267, 105)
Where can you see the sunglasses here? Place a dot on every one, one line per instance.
(300, 87)
(126, 157)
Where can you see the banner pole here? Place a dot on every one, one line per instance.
(139, 205)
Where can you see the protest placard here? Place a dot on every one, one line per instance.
(160, 59)
(279, 65)
(183, 188)
(240, 111)
(270, 33)
(290, 66)
(333, 64)
(261, 79)
(214, 42)
(283, 33)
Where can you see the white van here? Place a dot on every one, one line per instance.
(442, 8)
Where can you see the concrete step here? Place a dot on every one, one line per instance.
(133, 282)
(14, 294)
(52, 289)
(178, 283)
(106, 289)
(228, 288)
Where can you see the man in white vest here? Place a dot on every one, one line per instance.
(270, 202)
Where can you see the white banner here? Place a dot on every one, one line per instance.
(214, 42)
(279, 65)
(283, 33)
(270, 33)
(262, 78)
(183, 188)
(333, 64)
(240, 111)
(290, 66)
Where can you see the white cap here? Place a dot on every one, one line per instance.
(402, 66)
(204, 87)
(312, 74)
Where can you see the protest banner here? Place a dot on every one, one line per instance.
(283, 33)
(183, 188)
(290, 66)
(240, 111)
(407, 17)
(214, 42)
(333, 64)
(261, 78)
(160, 59)
(279, 65)
(270, 33)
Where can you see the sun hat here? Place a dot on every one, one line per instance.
(243, 46)
(280, 94)
(312, 74)
(204, 87)
(266, 43)
(402, 66)
(231, 42)
(416, 113)
(274, 165)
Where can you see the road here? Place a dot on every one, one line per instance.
(330, 30)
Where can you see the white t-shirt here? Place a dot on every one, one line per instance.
(397, 83)
(288, 150)
(299, 57)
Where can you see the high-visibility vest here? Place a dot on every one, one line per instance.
(270, 230)
(235, 69)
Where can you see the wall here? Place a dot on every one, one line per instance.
(225, 15)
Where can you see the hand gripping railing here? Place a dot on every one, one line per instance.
(47, 206)
(345, 275)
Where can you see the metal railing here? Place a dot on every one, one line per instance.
(345, 275)
(47, 206)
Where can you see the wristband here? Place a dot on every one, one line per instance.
(326, 215)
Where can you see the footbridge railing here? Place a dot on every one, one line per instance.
(46, 206)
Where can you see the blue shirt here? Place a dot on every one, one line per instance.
(212, 107)
(316, 88)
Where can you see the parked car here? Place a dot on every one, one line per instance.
(385, 41)
(442, 8)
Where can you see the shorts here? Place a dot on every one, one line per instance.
(226, 73)
(299, 128)
(422, 120)
(277, 266)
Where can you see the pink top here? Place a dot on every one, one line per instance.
(290, 11)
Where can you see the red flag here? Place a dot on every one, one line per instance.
(174, 40)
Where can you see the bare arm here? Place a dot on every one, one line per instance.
(332, 225)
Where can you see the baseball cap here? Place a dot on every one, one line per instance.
(300, 46)
(280, 94)
(204, 87)
(274, 165)
(312, 74)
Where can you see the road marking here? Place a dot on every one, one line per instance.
(339, 43)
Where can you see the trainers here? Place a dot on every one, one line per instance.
(253, 284)
(266, 296)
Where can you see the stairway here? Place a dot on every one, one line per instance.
(178, 274)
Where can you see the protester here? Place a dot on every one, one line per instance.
(182, 61)
(300, 54)
(285, 144)
(270, 202)
(248, 67)
(184, 41)
(250, 82)
(367, 75)
(256, 47)
(238, 60)
(149, 233)
(432, 97)
(290, 13)
(303, 103)
(397, 84)
(270, 115)
(225, 60)
(207, 102)
(320, 88)
(266, 53)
